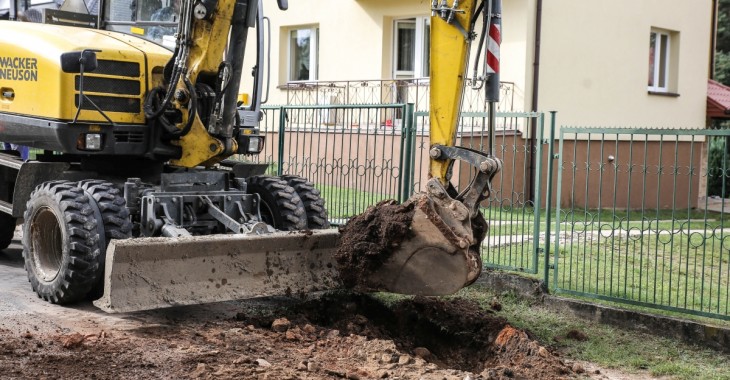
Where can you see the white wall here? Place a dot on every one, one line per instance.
(594, 62)
(353, 43)
(356, 39)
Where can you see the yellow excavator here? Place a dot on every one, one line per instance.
(132, 198)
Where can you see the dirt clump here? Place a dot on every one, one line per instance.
(578, 335)
(369, 239)
(518, 356)
(72, 340)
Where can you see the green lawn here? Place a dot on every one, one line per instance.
(609, 347)
(343, 203)
(676, 259)
(683, 271)
(677, 272)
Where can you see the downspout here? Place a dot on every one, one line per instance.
(535, 87)
(713, 37)
(709, 122)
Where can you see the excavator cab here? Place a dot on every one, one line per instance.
(153, 20)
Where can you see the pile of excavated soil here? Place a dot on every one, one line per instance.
(369, 239)
(456, 334)
(336, 336)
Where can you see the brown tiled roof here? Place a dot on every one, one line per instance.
(718, 100)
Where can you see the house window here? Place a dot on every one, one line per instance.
(411, 48)
(303, 54)
(660, 61)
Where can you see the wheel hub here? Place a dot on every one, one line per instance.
(47, 244)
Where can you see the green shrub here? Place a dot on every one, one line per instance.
(718, 152)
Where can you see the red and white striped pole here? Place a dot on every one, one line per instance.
(494, 40)
(493, 61)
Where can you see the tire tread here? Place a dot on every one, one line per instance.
(79, 271)
(291, 212)
(314, 205)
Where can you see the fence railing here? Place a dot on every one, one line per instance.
(392, 91)
(634, 222)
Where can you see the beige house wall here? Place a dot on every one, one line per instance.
(593, 65)
(355, 37)
(594, 62)
(356, 40)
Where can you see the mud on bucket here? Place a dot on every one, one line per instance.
(424, 246)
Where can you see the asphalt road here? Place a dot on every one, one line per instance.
(21, 310)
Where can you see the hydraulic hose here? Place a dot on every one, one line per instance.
(193, 110)
(152, 102)
(152, 113)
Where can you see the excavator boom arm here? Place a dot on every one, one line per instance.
(451, 37)
(442, 252)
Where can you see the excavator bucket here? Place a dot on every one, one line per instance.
(438, 259)
(427, 246)
(151, 273)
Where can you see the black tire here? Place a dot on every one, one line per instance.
(7, 230)
(313, 203)
(61, 242)
(115, 222)
(280, 206)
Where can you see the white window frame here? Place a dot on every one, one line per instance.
(658, 53)
(313, 54)
(40, 2)
(421, 51)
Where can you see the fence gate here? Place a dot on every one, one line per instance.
(356, 155)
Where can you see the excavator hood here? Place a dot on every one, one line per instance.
(30, 59)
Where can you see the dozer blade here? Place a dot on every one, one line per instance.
(151, 273)
(439, 258)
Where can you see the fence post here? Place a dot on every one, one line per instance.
(537, 199)
(412, 131)
(549, 196)
(282, 127)
(407, 155)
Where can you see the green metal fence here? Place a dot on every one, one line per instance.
(357, 155)
(634, 220)
(635, 215)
